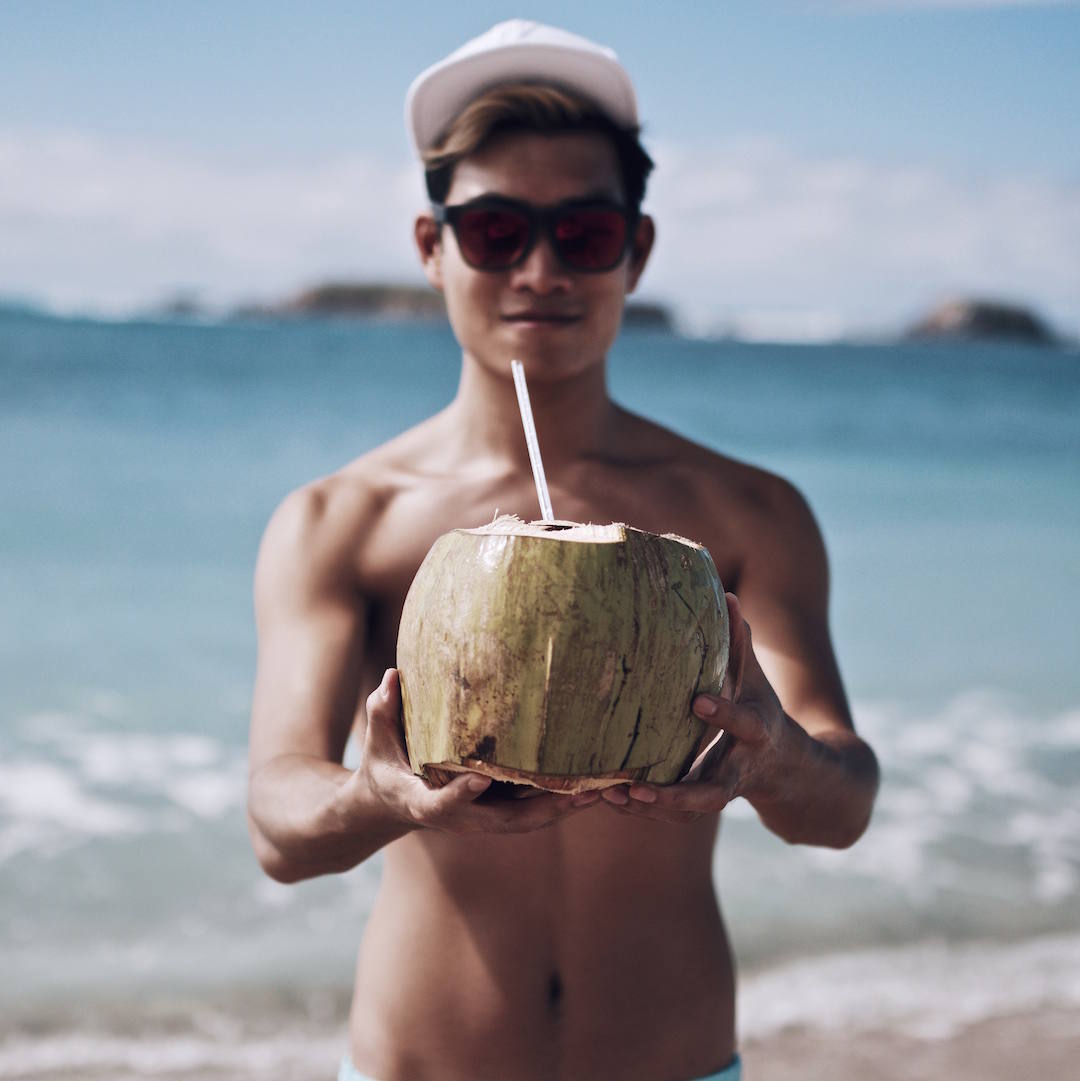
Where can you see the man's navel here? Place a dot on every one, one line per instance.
(555, 993)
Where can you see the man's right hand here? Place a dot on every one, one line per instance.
(385, 777)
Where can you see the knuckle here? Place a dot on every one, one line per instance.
(675, 800)
(422, 814)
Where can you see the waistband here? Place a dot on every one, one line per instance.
(731, 1072)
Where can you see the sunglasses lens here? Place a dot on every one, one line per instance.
(490, 238)
(591, 239)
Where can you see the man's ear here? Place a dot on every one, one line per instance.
(428, 237)
(644, 238)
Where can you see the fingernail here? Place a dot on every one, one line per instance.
(477, 784)
(585, 798)
(643, 795)
(704, 707)
(615, 795)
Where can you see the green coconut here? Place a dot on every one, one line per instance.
(560, 655)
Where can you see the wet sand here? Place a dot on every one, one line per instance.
(1043, 1044)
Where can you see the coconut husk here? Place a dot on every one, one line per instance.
(560, 655)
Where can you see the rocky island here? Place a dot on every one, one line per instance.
(982, 320)
(375, 300)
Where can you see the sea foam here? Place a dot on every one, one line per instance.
(68, 778)
(930, 990)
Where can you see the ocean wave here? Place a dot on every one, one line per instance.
(976, 835)
(929, 990)
(68, 778)
(981, 790)
(85, 1055)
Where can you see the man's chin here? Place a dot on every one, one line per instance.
(552, 365)
(550, 353)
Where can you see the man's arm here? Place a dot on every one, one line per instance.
(310, 624)
(788, 743)
(307, 814)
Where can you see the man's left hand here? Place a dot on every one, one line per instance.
(756, 749)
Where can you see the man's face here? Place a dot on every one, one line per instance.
(557, 321)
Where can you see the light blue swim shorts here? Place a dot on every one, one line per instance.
(731, 1072)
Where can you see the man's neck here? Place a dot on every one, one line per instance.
(574, 417)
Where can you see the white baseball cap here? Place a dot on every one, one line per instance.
(516, 51)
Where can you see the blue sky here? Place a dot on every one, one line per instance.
(846, 163)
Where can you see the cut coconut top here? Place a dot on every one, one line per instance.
(587, 532)
(512, 525)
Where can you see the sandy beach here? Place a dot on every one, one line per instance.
(1043, 1044)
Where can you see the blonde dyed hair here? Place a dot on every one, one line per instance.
(536, 107)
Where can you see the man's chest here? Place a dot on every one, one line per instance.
(391, 555)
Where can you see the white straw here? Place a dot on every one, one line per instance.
(531, 441)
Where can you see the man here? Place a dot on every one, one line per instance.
(551, 937)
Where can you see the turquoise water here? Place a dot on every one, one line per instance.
(139, 463)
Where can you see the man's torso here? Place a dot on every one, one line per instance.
(594, 947)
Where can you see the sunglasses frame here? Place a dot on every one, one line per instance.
(539, 219)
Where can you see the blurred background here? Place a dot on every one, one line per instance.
(867, 278)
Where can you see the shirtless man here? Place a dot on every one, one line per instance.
(552, 938)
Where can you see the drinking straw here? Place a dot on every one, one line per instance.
(531, 441)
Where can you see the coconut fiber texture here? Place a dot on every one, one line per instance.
(559, 655)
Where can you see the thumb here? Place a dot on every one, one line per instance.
(459, 790)
(707, 707)
(384, 710)
(742, 722)
(387, 696)
(736, 624)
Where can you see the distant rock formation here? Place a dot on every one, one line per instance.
(645, 315)
(354, 299)
(179, 305)
(17, 307)
(385, 301)
(969, 319)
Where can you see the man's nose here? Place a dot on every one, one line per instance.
(541, 271)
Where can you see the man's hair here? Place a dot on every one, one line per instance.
(536, 107)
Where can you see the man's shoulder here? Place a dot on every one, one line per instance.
(318, 528)
(321, 529)
(757, 523)
(737, 485)
(350, 499)
(304, 546)
(780, 541)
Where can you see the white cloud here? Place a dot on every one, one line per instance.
(751, 228)
(88, 221)
(752, 234)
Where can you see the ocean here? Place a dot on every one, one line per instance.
(139, 463)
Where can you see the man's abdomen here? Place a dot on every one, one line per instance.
(594, 948)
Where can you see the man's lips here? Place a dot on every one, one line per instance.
(541, 317)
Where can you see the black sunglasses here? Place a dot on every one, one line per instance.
(494, 233)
